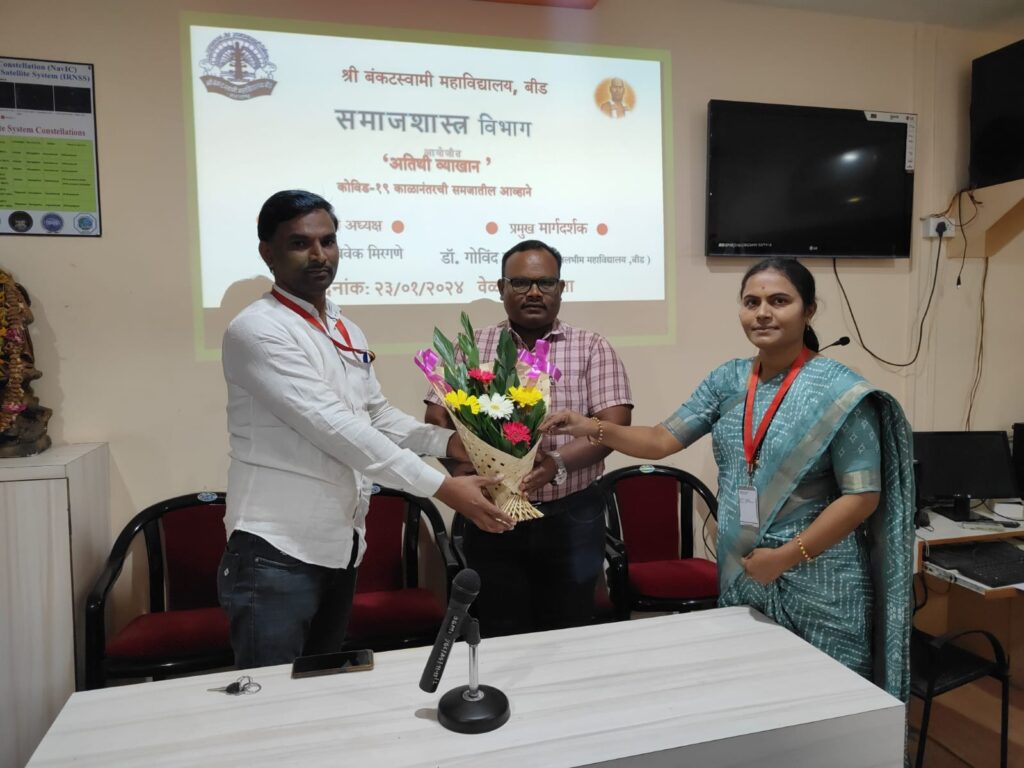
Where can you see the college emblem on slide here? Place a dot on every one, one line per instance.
(237, 66)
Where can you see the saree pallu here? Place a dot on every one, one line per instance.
(852, 601)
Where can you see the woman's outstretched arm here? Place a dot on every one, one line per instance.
(640, 442)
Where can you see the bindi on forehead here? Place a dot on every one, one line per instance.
(770, 281)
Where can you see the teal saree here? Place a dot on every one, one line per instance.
(833, 434)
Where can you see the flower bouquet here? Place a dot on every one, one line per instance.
(496, 406)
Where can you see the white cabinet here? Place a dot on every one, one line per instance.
(54, 539)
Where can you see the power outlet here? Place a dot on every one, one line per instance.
(930, 226)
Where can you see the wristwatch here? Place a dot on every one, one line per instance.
(560, 471)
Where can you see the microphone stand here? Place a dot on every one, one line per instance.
(473, 708)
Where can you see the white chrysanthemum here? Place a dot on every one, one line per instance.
(497, 406)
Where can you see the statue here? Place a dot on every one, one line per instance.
(22, 420)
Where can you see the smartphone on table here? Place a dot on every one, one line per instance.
(333, 663)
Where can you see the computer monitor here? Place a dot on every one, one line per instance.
(955, 467)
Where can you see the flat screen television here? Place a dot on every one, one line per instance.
(808, 181)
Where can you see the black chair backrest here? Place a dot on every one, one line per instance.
(393, 537)
(199, 525)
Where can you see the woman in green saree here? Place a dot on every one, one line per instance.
(815, 486)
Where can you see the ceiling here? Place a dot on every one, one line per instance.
(974, 14)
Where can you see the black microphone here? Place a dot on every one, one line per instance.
(842, 341)
(465, 588)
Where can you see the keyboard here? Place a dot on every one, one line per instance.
(953, 557)
(993, 563)
(998, 573)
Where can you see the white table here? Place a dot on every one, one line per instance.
(942, 530)
(726, 687)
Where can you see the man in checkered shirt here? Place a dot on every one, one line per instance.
(542, 574)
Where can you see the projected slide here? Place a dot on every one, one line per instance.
(437, 159)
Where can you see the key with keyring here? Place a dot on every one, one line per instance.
(244, 684)
(232, 689)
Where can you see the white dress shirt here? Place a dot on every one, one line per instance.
(310, 433)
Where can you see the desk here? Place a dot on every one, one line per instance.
(967, 604)
(724, 687)
(942, 530)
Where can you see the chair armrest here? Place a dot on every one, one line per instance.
(617, 574)
(96, 625)
(112, 569)
(938, 644)
(452, 562)
(614, 546)
(95, 603)
(458, 537)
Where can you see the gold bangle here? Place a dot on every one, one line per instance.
(600, 433)
(803, 549)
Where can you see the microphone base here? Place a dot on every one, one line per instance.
(457, 713)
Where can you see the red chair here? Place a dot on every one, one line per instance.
(651, 565)
(390, 609)
(185, 629)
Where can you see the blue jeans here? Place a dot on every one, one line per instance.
(279, 607)
(542, 574)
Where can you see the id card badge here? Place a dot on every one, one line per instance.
(748, 506)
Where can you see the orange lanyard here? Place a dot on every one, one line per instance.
(364, 354)
(751, 441)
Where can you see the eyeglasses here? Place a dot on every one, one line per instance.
(524, 284)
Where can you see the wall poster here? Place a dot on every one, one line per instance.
(49, 177)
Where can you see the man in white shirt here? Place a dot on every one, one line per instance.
(310, 432)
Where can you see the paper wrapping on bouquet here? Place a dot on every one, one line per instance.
(489, 461)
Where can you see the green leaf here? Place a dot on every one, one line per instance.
(467, 347)
(467, 327)
(470, 419)
(534, 416)
(455, 376)
(467, 342)
(507, 354)
(444, 349)
(512, 380)
(491, 432)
